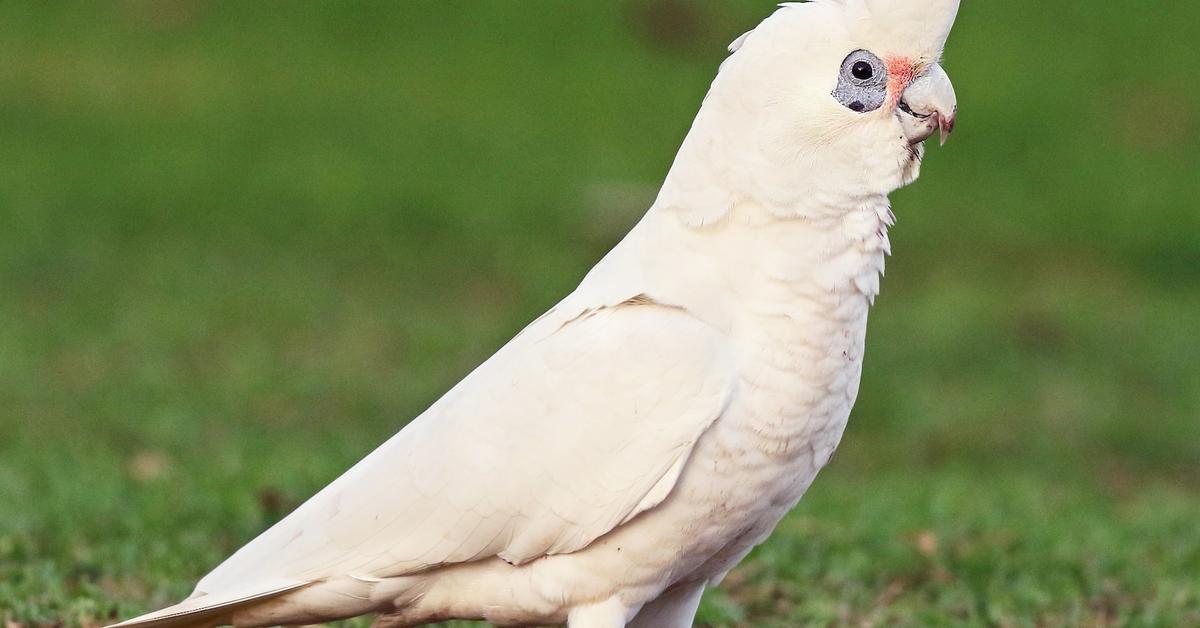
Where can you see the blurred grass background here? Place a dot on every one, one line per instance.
(242, 243)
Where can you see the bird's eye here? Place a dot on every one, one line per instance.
(862, 82)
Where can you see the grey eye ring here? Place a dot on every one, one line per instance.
(862, 82)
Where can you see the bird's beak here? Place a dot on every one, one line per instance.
(928, 105)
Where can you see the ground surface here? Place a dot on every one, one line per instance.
(240, 245)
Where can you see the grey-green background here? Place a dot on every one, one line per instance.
(243, 242)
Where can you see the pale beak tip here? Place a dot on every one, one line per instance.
(946, 125)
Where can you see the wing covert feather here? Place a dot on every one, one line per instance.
(570, 430)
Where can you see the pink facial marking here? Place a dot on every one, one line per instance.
(900, 73)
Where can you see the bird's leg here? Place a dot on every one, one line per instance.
(610, 613)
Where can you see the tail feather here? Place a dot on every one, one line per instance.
(211, 609)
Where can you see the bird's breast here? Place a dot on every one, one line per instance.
(799, 337)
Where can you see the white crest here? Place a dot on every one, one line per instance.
(922, 24)
(915, 28)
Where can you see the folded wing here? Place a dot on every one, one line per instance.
(580, 423)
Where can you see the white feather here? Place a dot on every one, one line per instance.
(633, 444)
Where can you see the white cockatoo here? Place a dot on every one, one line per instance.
(629, 447)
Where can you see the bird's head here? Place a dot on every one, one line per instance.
(895, 68)
(830, 96)
(855, 79)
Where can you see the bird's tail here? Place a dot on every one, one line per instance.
(211, 609)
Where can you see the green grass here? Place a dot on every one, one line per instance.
(242, 243)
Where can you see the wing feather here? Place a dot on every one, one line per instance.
(583, 421)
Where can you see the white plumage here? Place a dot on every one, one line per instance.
(630, 446)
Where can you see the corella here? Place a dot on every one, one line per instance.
(628, 448)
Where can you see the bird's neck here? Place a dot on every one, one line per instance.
(826, 267)
(737, 153)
